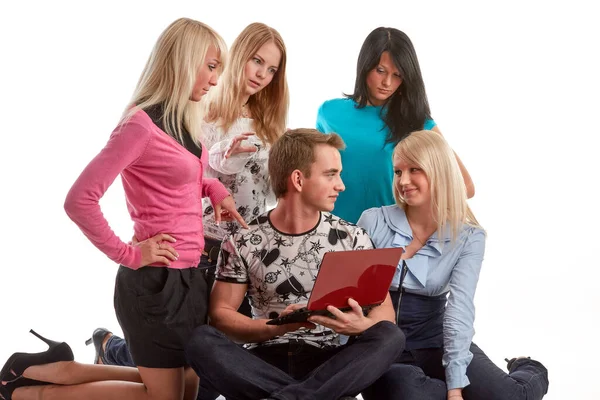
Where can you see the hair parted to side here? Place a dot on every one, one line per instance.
(295, 150)
(430, 152)
(170, 74)
(269, 107)
(407, 109)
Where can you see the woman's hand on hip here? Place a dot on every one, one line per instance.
(157, 249)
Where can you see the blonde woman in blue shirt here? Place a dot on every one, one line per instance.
(435, 284)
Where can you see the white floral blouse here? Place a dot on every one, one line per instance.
(245, 175)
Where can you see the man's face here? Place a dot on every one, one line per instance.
(321, 189)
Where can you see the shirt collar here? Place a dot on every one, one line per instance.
(395, 218)
(397, 221)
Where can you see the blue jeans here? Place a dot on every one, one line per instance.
(419, 375)
(296, 370)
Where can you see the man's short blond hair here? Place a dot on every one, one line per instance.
(295, 150)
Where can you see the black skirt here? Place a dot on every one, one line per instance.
(158, 308)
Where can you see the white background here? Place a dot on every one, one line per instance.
(513, 86)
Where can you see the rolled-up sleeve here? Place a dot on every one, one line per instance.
(218, 143)
(460, 311)
(228, 166)
(231, 266)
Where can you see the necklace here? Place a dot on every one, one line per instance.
(420, 241)
(245, 112)
(415, 235)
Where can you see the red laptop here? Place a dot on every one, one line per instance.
(364, 275)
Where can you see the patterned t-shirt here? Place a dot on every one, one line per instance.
(280, 269)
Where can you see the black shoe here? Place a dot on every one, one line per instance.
(19, 362)
(510, 363)
(97, 338)
(7, 390)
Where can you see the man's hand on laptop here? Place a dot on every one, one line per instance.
(348, 323)
(285, 328)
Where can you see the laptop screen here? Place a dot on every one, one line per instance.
(364, 275)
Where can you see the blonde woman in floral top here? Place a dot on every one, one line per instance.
(247, 113)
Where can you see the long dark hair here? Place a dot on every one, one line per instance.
(407, 108)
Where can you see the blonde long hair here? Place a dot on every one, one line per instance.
(269, 107)
(430, 152)
(170, 74)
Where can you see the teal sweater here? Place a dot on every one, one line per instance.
(367, 169)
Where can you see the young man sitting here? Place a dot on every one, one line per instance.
(276, 261)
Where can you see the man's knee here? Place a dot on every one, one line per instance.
(202, 342)
(391, 335)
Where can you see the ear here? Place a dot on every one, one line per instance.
(297, 180)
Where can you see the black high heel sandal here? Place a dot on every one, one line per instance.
(509, 363)
(19, 362)
(97, 338)
(7, 390)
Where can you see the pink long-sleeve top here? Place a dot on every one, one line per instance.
(163, 187)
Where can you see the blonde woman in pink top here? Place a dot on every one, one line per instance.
(247, 112)
(160, 296)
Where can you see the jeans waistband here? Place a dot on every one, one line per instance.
(211, 250)
(211, 242)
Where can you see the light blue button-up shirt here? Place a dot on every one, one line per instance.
(439, 267)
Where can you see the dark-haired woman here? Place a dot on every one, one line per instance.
(389, 102)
